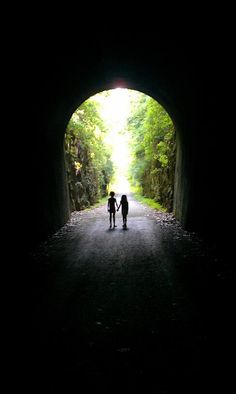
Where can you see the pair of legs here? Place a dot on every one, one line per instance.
(112, 218)
(124, 220)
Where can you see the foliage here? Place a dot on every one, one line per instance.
(88, 159)
(153, 150)
(92, 143)
(150, 202)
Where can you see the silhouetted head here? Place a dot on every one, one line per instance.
(112, 194)
(123, 198)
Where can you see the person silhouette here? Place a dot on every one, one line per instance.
(111, 207)
(124, 209)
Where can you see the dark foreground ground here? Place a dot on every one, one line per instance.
(148, 309)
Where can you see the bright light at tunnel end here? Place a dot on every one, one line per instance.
(119, 84)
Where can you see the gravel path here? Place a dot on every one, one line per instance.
(145, 309)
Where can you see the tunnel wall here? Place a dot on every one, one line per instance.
(169, 75)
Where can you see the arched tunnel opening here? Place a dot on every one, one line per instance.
(175, 87)
(190, 292)
(120, 140)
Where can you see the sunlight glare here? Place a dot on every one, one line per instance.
(116, 109)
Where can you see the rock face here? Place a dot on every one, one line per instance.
(159, 183)
(174, 75)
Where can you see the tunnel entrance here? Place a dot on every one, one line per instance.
(124, 140)
(170, 73)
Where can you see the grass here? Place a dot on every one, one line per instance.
(147, 201)
(97, 204)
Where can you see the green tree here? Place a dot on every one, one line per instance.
(153, 150)
(88, 159)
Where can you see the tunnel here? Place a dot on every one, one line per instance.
(187, 80)
(176, 75)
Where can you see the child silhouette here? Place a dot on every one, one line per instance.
(111, 207)
(124, 209)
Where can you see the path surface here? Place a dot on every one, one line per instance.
(137, 310)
